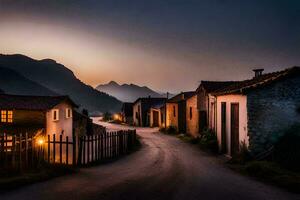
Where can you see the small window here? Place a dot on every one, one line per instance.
(6, 116)
(55, 115)
(3, 115)
(68, 113)
(174, 111)
(191, 112)
(9, 116)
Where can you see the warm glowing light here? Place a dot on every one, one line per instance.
(117, 117)
(40, 141)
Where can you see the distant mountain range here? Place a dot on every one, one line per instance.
(23, 75)
(127, 92)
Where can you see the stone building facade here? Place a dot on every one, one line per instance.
(263, 108)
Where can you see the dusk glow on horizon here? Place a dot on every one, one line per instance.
(166, 45)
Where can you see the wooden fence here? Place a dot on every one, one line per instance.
(22, 151)
(18, 151)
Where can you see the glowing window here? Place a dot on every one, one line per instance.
(3, 115)
(7, 116)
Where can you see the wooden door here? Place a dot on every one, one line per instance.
(235, 144)
(223, 128)
(202, 121)
(155, 119)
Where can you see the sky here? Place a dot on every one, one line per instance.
(168, 45)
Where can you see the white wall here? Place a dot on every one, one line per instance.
(64, 124)
(243, 119)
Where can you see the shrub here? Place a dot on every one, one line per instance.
(243, 156)
(287, 149)
(208, 140)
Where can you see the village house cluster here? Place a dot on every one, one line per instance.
(253, 112)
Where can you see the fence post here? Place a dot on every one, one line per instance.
(54, 148)
(74, 148)
(20, 152)
(13, 152)
(84, 147)
(48, 143)
(101, 146)
(60, 149)
(79, 161)
(92, 160)
(67, 150)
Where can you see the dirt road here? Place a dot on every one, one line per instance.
(164, 168)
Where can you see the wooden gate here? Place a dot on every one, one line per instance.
(155, 118)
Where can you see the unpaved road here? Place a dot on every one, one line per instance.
(165, 168)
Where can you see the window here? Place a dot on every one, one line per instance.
(191, 112)
(6, 116)
(174, 111)
(55, 114)
(68, 113)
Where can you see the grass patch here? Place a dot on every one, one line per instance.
(271, 173)
(9, 180)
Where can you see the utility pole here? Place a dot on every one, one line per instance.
(166, 110)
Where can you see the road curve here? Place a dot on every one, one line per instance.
(165, 168)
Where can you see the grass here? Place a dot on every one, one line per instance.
(11, 180)
(270, 172)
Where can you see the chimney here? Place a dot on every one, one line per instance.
(258, 72)
(182, 96)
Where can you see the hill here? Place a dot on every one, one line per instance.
(12, 82)
(58, 78)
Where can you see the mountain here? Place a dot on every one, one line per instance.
(126, 92)
(50, 74)
(12, 82)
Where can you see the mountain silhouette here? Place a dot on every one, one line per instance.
(12, 82)
(127, 92)
(59, 79)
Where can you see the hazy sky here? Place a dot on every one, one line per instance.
(169, 45)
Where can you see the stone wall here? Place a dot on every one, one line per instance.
(271, 110)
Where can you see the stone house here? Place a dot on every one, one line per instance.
(127, 113)
(176, 111)
(257, 111)
(192, 118)
(206, 103)
(141, 110)
(36, 114)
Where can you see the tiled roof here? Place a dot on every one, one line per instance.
(260, 81)
(212, 86)
(179, 98)
(31, 102)
(150, 100)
